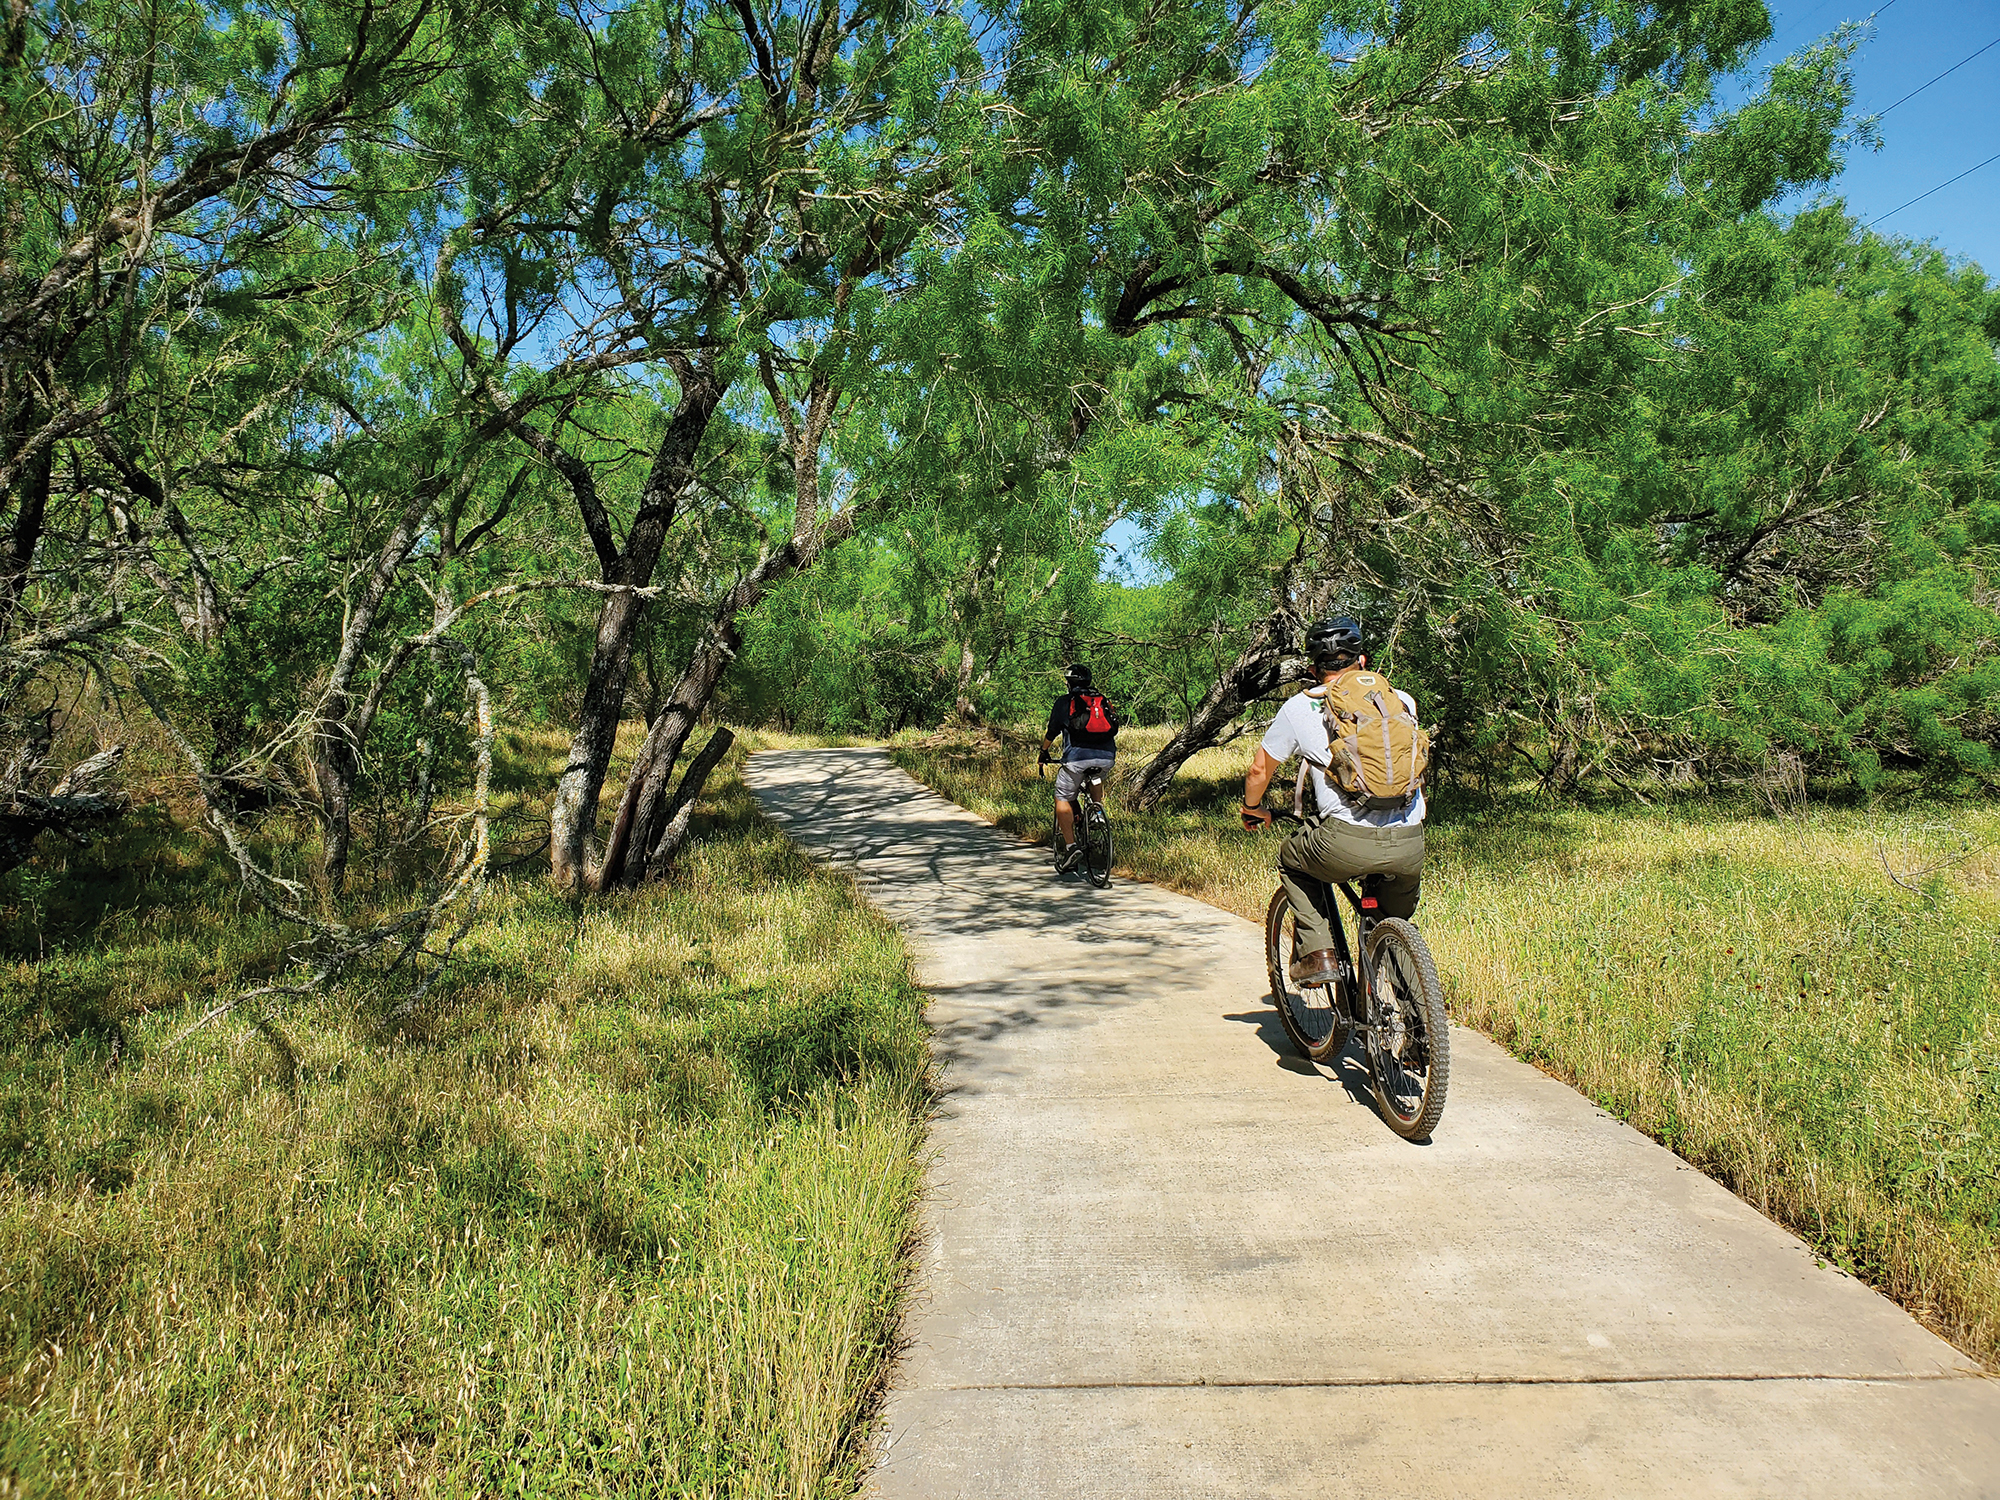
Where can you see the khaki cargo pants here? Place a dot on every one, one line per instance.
(1340, 851)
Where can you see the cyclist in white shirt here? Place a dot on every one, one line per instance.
(1346, 842)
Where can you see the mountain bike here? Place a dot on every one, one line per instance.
(1093, 825)
(1400, 1015)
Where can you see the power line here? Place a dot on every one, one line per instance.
(1945, 74)
(1799, 24)
(1938, 189)
(1796, 25)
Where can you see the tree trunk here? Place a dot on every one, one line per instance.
(334, 765)
(573, 818)
(336, 738)
(962, 704)
(644, 808)
(17, 548)
(969, 613)
(681, 809)
(76, 807)
(1266, 663)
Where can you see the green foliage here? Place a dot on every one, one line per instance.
(1781, 552)
(1642, 477)
(1622, 470)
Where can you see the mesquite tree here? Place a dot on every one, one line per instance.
(713, 199)
(1398, 260)
(186, 226)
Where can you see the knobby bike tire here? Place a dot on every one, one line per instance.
(1409, 1044)
(1311, 1017)
(1097, 844)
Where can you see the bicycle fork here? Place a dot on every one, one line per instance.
(1386, 1026)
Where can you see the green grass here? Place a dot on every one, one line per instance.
(622, 1210)
(1752, 990)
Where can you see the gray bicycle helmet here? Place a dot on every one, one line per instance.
(1333, 642)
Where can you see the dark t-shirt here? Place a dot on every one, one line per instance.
(1086, 743)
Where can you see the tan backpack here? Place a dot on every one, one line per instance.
(1379, 751)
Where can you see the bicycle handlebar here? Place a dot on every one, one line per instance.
(1278, 814)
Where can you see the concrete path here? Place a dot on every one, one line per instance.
(1167, 1257)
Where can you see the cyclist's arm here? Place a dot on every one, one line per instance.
(1054, 727)
(1262, 769)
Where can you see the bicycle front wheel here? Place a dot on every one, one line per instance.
(1409, 1044)
(1311, 1016)
(1097, 851)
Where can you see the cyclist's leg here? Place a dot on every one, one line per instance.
(1312, 906)
(1334, 850)
(1394, 861)
(1303, 871)
(1068, 783)
(1396, 894)
(1096, 782)
(1073, 784)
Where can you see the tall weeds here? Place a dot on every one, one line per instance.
(621, 1210)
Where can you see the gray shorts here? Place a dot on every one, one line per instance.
(1069, 776)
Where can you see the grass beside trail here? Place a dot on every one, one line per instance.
(1753, 991)
(621, 1211)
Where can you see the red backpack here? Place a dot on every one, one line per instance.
(1092, 713)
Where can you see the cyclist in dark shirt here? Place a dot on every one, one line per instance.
(1085, 748)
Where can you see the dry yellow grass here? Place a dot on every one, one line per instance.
(1754, 991)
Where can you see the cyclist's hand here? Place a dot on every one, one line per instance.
(1255, 818)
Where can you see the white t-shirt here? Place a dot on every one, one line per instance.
(1301, 727)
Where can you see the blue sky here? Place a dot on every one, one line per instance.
(1950, 126)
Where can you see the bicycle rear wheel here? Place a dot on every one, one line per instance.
(1097, 849)
(1409, 1045)
(1312, 1015)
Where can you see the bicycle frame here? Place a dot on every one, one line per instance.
(1365, 917)
(1359, 962)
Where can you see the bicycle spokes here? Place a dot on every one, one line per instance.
(1097, 843)
(1408, 1039)
(1312, 1015)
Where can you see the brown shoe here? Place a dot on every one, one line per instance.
(1322, 966)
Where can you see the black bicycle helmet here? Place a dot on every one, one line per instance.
(1078, 677)
(1333, 642)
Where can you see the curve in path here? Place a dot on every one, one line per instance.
(1168, 1257)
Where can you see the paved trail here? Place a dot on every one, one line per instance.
(1169, 1258)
